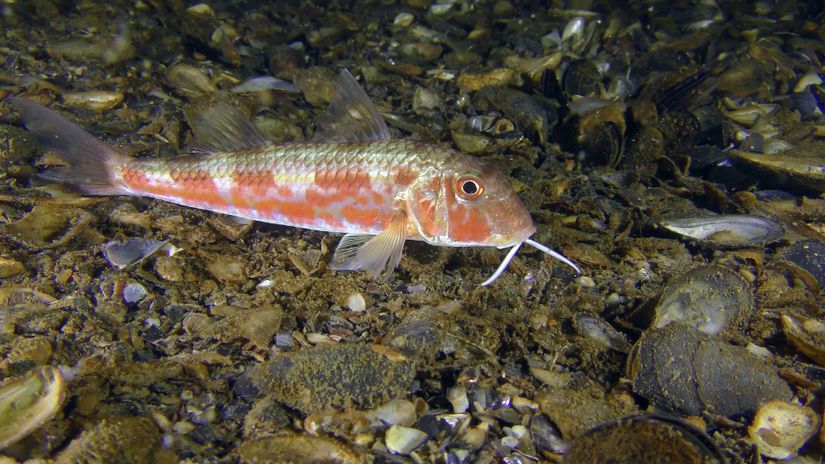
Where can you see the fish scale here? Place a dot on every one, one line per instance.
(324, 169)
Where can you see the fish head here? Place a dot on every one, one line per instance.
(470, 203)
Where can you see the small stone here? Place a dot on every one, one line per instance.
(393, 412)
(503, 8)
(457, 396)
(133, 293)
(440, 8)
(420, 52)
(183, 427)
(356, 302)
(403, 20)
(169, 268)
(201, 10)
(425, 100)
(10, 267)
(226, 268)
(474, 437)
(403, 440)
(586, 282)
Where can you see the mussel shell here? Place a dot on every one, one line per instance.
(810, 256)
(644, 439)
(800, 167)
(683, 370)
(582, 78)
(644, 148)
(708, 299)
(679, 127)
(604, 145)
(704, 156)
(726, 231)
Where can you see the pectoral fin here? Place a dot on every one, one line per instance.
(376, 254)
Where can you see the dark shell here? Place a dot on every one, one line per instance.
(644, 439)
(683, 370)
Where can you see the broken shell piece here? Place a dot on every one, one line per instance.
(262, 83)
(708, 298)
(600, 331)
(122, 254)
(393, 412)
(807, 335)
(728, 231)
(403, 440)
(29, 401)
(780, 428)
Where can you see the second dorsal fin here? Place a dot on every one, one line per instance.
(351, 116)
(219, 127)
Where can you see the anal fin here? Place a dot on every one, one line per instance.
(376, 254)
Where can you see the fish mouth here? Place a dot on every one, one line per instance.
(512, 253)
(501, 241)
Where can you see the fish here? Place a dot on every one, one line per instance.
(351, 177)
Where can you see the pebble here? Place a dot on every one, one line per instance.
(10, 267)
(201, 10)
(393, 412)
(457, 396)
(403, 20)
(133, 293)
(403, 440)
(356, 302)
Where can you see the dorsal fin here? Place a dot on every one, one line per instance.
(351, 116)
(219, 127)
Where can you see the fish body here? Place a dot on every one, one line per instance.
(352, 178)
(346, 187)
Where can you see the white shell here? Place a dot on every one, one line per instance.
(780, 428)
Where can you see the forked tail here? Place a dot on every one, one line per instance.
(91, 163)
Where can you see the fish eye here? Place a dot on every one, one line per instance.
(469, 187)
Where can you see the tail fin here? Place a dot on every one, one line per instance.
(91, 161)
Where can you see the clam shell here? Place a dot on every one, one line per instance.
(726, 231)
